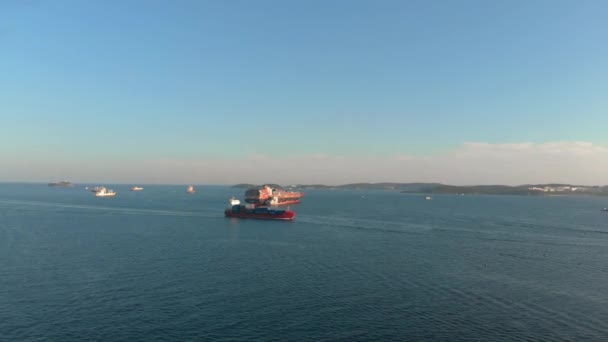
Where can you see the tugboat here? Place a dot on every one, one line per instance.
(252, 211)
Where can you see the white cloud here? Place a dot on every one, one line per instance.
(470, 163)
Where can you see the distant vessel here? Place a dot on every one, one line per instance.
(62, 184)
(103, 192)
(136, 188)
(605, 209)
(190, 189)
(272, 196)
(237, 210)
(428, 198)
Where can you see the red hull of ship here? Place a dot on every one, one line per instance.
(288, 215)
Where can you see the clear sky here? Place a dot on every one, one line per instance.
(312, 91)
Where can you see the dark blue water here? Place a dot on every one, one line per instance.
(163, 265)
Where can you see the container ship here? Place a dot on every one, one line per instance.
(272, 196)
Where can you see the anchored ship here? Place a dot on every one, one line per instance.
(271, 196)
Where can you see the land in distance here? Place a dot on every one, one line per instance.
(551, 189)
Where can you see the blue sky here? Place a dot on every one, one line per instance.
(207, 80)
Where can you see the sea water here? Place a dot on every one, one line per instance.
(164, 265)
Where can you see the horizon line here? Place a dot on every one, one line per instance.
(298, 184)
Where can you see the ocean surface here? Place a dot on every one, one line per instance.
(162, 265)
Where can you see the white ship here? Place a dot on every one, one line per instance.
(190, 189)
(103, 192)
(136, 188)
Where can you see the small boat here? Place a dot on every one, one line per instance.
(136, 188)
(605, 209)
(428, 198)
(237, 210)
(190, 189)
(103, 192)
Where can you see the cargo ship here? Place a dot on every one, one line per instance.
(272, 196)
(238, 210)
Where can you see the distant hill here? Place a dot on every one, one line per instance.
(550, 189)
(389, 186)
(62, 184)
(480, 190)
(527, 190)
(314, 186)
(249, 186)
(244, 186)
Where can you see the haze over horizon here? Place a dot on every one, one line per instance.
(334, 92)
